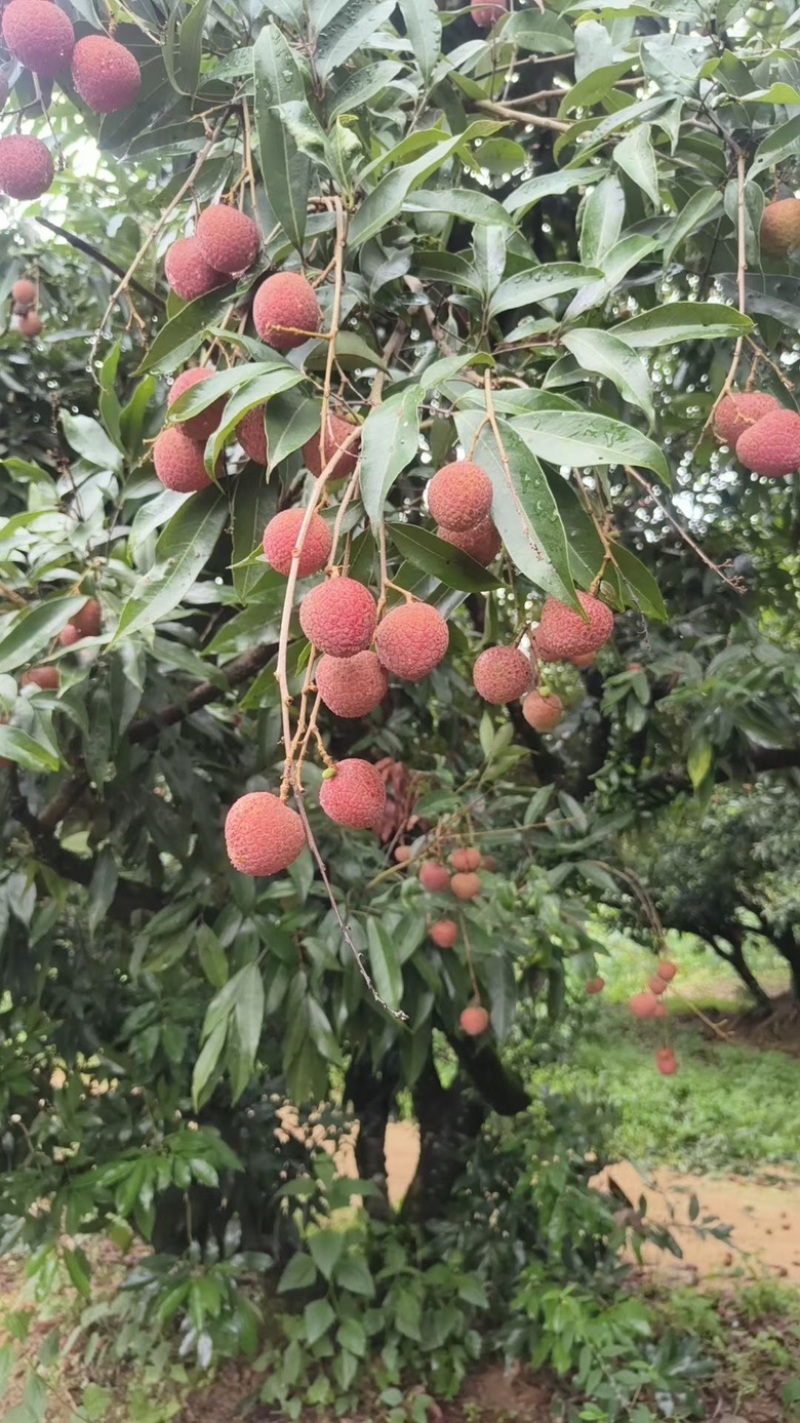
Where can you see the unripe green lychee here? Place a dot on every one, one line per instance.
(474, 1021)
(26, 167)
(252, 435)
(594, 985)
(355, 796)
(434, 878)
(411, 640)
(565, 634)
(542, 713)
(39, 35)
(105, 74)
(179, 461)
(460, 495)
(466, 859)
(286, 311)
(187, 271)
(23, 293)
(486, 15)
(444, 933)
(48, 678)
(262, 834)
(780, 227)
(30, 325)
(666, 1061)
(481, 543)
(667, 969)
(339, 617)
(642, 1005)
(197, 427)
(736, 413)
(501, 674)
(228, 239)
(772, 446)
(465, 886)
(338, 431)
(280, 539)
(351, 686)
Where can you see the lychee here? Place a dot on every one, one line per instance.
(30, 325)
(280, 540)
(23, 292)
(465, 886)
(444, 933)
(484, 16)
(501, 674)
(465, 860)
(460, 495)
(542, 713)
(780, 227)
(403, 854)
(198, 427)
(286, 311)
(228, 239)
(772, 446)
(667, 969)
(69, 635)
(565, 634)
(355, 796)
(39, 35)
(659, 1009)
(666, 1061)
(179, 461)
(594, 985)
(736, 413)
(411, 640)
(434, 877)
(339, 616)
(48, 678)
(488, 862)
(188, 272)
(642, 1005)
(481, 543)
(252, 435)
(26, 166)
(262, 834)
(474, 1021)
(88, 621)
(657, 984)
(351, 686)
(338, 430)
(587, 659)
(105, 74)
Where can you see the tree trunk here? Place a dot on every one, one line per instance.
(372, 1095)
(737, 961)
(449, 1120)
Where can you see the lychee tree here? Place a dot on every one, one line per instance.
(387, 523)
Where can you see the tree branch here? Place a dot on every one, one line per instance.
(97, 256)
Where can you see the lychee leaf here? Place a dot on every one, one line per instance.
(581, 440)
(33, 628)
(389, 442)
(441, 559)
(537, 284)
(641, 588)
(182, 552)
(601, 352)
(682, 321)
(384, 964)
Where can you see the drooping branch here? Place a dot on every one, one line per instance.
(89, 250)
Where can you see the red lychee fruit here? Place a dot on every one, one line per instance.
(26, 166)
(657, 984)
(105, 74)
(188, 273)
(466, 860)
(228, 239)
(736, 413)
(465, 886)
(339, 616)
(351, 686)
(403, 854)
(481, 543)
(252, 435)
(660, 1009)
(355, 796)
(262, 834)
(474, 1021)
(501, 674)
(23, 292)
(411, 640)
(286, 311)
(89, 620)
(434, 878)
(780, 227)
(444, 933)
(594, 985)
(587, 660)
(39, 35)
(666, 1061)
(68, 636)
(488, 862)
(30, 325)
(460, 495)
(280, 540)
(485, 16)
(338, 431)
(198, 427)
(48, 678)
(565, 634)
(542, 713)
(179, 461)
(642, 1005)
(667, 969)
(772, 446)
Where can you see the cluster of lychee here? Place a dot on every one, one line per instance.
(105, 74)
(86, 622)
(24, 295)
(764, 434)
(465, 884)
(650, 1004)
(459, 499)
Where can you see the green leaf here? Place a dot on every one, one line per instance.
(253, 506)
(424, 28)
(461, 203)
(318, 1316)
(291, 421)
(539, 284)
(362, 85)
(32, 629)
(182, 55)
(701, 207)
(384, 964)
(601, 223)
(248, 1016)
(78, 1271)
(326, 1247)
(442, 560)
(351, 1335)
(300, 1274)
(108, 402)
(285, 170)
(389, 442)
(182, 552)
(540, 33)
(617, 262)
(179, 338)
(593, 86)
(550, 185)
(644, 593)
(579, 440)
(353, 25)
(635, 156)
(18, 746)
(207, 1060)
(699, 762)
(355, 1276)
(682, 321)
(89, 438)
(781, 143)
(599, 351)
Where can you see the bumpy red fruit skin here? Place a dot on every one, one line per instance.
(587, 659)
(657, 984)
(351, 686)
(485, 15)
(228, 239)
(199, 427)
(286, 299)
(188, 272)
(482, 543)
(660, 1009)
(338, 431)
(69, 635)
(48, 678)
(466, 860)
(444, 934)
(89, 620)
(474, 1021)
(565, 634)
(772, 446)
(338, 617)
(26, 167)
(280, 538)
(355, 796)
(542, 713)
(30, 325)
(23, 292)
(642, 1005)
(105, 74)
(594, 985)
(460, 495)
(780, 227)
(262, 834)
(434, 878)
(39, 35)
(252, 435)
(667, 969)
(466, 886)
(179, 461)
(412, 640)
(501, 674)
(736, 413)
(666, 1062)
